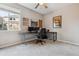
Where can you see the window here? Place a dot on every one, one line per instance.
(9, 21)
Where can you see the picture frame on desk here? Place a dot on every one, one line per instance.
(57, 22)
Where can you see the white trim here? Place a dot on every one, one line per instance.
(20, 42)
(10, 44)
(69, 42)
(14, 43)
(9, 8)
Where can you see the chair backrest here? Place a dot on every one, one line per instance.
(43, 33)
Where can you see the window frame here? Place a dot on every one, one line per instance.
(19, 27)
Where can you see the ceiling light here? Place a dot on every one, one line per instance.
(41, 3)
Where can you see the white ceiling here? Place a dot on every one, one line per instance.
(51, 7)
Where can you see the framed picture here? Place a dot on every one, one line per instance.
(57, 21)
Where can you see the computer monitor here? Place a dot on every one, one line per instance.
(33, 29)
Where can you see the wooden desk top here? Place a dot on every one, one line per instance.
(34, 32)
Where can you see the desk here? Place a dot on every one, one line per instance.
(52, 35)
(32, 35)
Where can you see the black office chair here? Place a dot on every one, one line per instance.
(42, 34)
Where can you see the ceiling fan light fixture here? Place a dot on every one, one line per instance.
(41, 3)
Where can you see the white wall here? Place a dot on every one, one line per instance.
(8, 37)
(70, 23)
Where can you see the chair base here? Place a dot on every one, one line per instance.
(40, 41)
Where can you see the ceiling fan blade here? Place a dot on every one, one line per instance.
(37, 6)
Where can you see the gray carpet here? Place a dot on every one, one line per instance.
(48, 49)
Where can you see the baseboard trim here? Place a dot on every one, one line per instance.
(9, 44)
(20, 42)
(68, 42)
(13, 43)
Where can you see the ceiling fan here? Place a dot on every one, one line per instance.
(41, 4)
